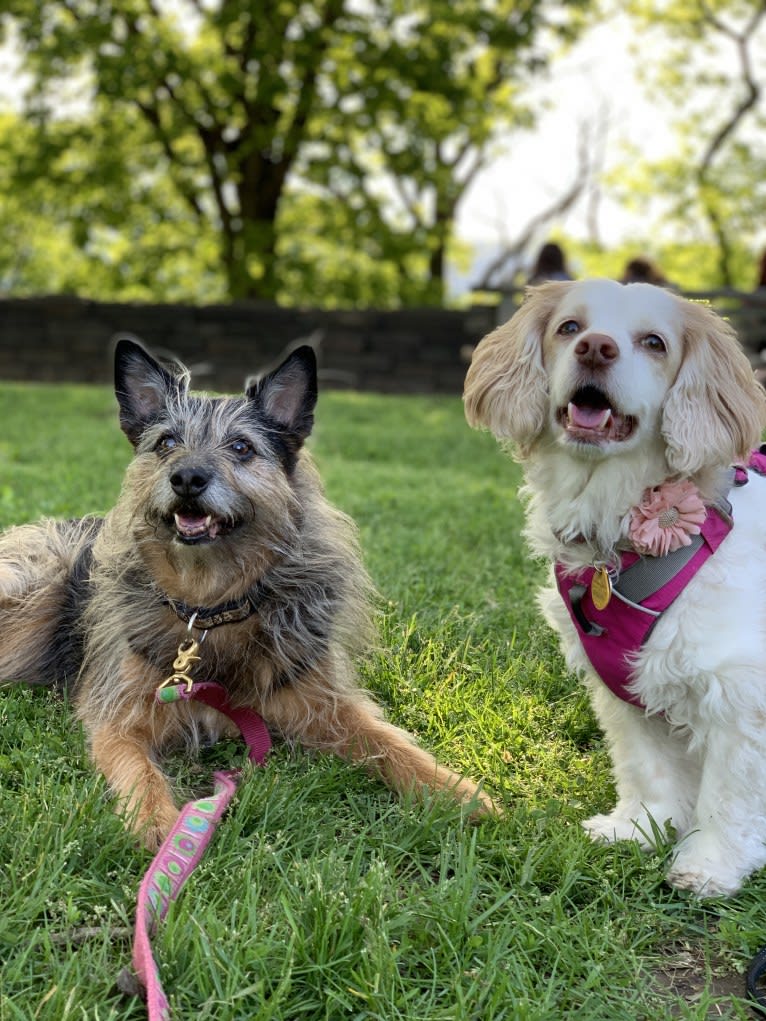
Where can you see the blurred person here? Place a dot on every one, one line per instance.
(642, 270)
(761, 281)
(755, 338)
(550, 265)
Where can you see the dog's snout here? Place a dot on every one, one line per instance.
(189, 480)
(596, 350)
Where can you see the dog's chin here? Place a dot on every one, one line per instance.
(586, 444)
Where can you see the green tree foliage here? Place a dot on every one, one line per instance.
(690, 264)
(81, 215)
(265, 148)
(710, 61)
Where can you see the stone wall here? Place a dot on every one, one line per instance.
(69, 339)
(64, 339)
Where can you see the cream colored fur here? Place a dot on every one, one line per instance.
(696, 758)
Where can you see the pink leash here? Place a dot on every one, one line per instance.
(185, 845)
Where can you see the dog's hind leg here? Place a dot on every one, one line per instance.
(43, 584)
(352, 726)
(31, 591)
(393, 754)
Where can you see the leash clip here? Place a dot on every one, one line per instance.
(185, 661)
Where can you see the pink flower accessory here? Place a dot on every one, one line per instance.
(666, 518)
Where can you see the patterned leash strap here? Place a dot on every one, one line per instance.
(185, 845)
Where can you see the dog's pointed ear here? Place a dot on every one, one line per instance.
(287, 395)
(716, 409)
(506, 387)
(142, 386)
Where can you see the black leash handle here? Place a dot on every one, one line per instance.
(756, 990)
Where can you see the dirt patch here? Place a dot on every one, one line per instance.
(684, 973)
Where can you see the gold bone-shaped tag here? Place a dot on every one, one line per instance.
(601, 588)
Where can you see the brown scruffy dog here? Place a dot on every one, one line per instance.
(222, 523)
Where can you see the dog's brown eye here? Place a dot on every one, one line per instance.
(568, 328)
(242, 449)
(654, 342)
(166, 443)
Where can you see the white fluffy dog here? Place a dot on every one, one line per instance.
(627, 407)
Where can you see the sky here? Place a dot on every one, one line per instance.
(596, 80)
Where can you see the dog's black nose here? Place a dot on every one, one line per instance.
(190, 481)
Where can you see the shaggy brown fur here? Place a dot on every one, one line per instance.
(220, 505)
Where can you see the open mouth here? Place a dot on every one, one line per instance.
(198, 528)
(590, 418)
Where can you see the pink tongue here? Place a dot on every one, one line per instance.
(588, 418)
(189, 524)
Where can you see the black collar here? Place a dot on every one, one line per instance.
(207, 617)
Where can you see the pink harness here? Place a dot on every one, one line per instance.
(642, 589)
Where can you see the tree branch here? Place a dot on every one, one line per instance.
(152, 116)
(305, 102)
(489, 280)
(741, 41)
(751, 98)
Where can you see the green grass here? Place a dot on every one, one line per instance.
(323, 896)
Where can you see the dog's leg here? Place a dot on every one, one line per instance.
(354, 728)
(34, 565)
(145, 799)
(656, 778)
(729, 838)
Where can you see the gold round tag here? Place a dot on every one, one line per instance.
(601, 588)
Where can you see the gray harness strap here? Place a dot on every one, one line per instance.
(649, 574)
(642, 579)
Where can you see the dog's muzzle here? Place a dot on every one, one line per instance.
(591, 417)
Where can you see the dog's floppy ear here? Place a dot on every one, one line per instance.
(715, 411)
(142, 387)
(288, 395)
(506, 387)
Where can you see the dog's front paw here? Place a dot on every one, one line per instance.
(152, 829)
(608, 829)
(704, 877)
(477, 803)
(481, 806)
(702, 882)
